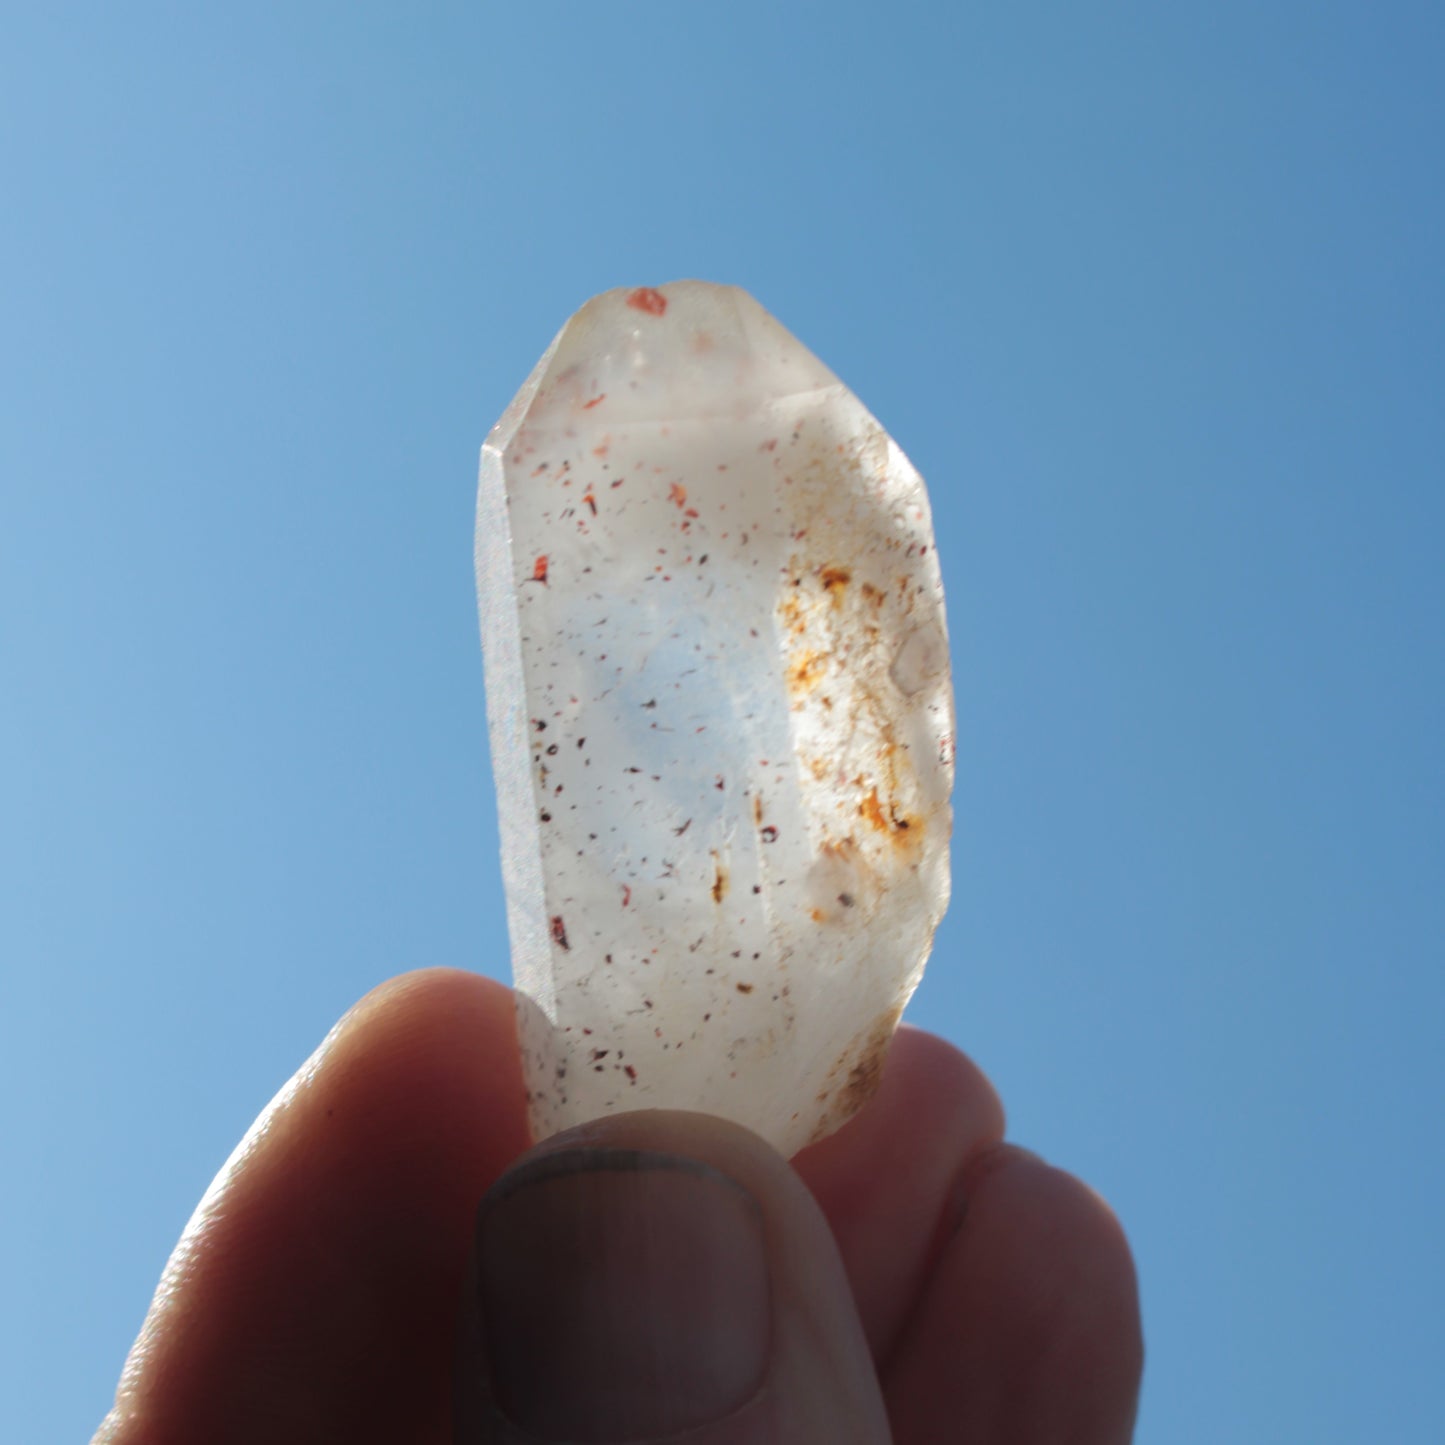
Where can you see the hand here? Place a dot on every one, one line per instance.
(651, 1274)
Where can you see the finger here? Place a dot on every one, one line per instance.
(888, 1180)
(1028, 1330)
(313, 1294)
(660, 1274)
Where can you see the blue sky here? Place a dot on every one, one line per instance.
(1153, 297)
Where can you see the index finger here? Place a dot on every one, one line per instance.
(314, 1292)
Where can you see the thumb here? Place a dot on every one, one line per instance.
(655, 1274)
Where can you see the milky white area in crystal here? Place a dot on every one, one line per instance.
(721, 718)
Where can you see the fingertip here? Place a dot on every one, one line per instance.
(1030, 1328)
(1078, 1236)
(933, 1100)
(658, 1272)
(436, 997)
(887, 1178)
(927, 1067)
(1093, 1284)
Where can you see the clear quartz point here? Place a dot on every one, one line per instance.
(721, 717)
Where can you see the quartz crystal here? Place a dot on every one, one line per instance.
(721, 718)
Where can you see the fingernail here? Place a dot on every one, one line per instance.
(624, 1295)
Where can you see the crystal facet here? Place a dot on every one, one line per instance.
(721, 718)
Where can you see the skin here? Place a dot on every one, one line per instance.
(930, 1282)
